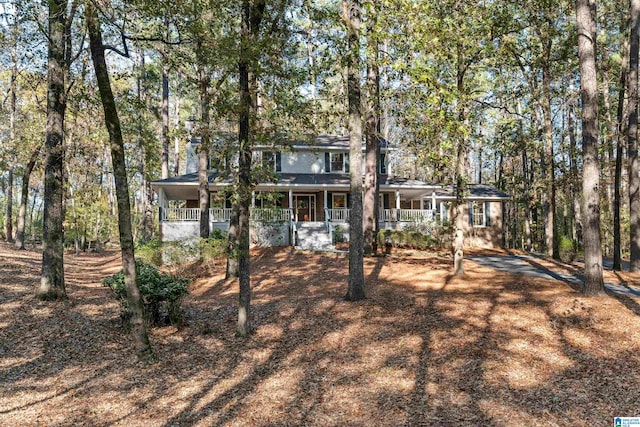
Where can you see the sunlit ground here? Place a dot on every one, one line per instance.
(425, 348)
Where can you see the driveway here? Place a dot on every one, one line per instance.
(531, 266)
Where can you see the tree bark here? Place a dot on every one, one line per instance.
(164, 108)
(24, 198)
(351, 16)
(232, 242)
(112, 121)
(576, 224)
(8, 220)
(551, 239)
(52, 277)
(372, 150)
(632, 141)
(203, 152)
(617, 186)
(586, 26)
(252, 13)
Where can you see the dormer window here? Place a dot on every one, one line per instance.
(337, 162)
(272, 161)
(382, 164)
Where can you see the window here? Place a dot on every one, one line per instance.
(426, 204)
(272, 161)
(383, 164)
(336, 162)
(479, 214)
(339, 201)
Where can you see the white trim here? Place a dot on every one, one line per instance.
(312, 212)
(333, 198)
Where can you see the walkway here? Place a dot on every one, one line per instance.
(530, 265)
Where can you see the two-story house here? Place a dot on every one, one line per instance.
(306, 201)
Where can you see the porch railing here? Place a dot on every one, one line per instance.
(270, 215)
(223, 214)
(337, 215)
(180, 214)
(407, 215)
(277, 214)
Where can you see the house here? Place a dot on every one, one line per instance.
(305, 199)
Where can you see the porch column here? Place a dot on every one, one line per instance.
(397, 199)
(162, 204)
(291, 202)
(326, 205)
(253, 199)
(433, 201)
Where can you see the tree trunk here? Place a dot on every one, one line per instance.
(112, 121)
(458, 210)
(632, 141)
(52, 277)
(576, 224)
(551, 239)
(251, 19)
(372, 150)
(232, 242)
(351, 16)
(621, 116)
(176, 124)
(586, 26)
(8, 220)
(164, 107)
(24, 197)
(203, 152)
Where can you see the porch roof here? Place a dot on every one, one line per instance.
(184, 187)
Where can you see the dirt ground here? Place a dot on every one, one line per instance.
(424, 348)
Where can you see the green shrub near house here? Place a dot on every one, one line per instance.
(406, 239)
(567, 249)
(150, 252)
(162, 294)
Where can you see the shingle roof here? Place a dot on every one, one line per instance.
(481, 191)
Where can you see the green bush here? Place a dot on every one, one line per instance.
(214, 247)
(159, 292)
(567, 249)
(150, 252)
(338, 234)
(406, 239)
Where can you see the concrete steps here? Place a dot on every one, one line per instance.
(313, 236)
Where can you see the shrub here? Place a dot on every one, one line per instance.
(160, 292)
(338, 234)
(150, 252)
(567, 249)
(406, 239)
(213, 248)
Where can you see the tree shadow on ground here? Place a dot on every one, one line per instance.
(423, 349)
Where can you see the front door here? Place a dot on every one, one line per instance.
(305, 207)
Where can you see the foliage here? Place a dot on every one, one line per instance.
(338, 234)
(567, 249)
(150, 252)
(406, 239)
(159, 291)
(213, 247)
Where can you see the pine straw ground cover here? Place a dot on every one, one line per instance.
(424, 349)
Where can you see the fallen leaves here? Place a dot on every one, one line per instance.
(423, 349)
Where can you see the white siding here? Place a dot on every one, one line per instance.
(303, 162)
(192, 159)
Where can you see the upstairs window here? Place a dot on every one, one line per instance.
(272, 161)
(382, 163)
(336, 162)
